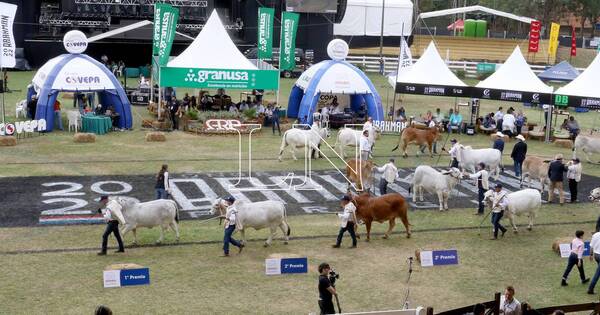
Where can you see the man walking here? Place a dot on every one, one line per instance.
(499, 145)
(390, 172)
(275, 119)
(482, 184)
(454, 153)
(574, 176)
(595, 255)
(575, 259)
(499, 203)
(230, 223)
(518, 155)
(556, 171)
(348, 222)
(113, 216)
(365, 145)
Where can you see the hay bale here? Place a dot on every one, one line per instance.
(147, 123)
(161, 125)
(418, 255)
(156, 137)
(564, 143)
(557, 242)
(82, 137)
(8, 141)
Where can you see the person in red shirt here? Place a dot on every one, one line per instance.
(57, 116)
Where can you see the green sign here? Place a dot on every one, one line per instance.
(486, 67)
(265, 32)
(561, 100)
(168, 23)
(287, 48)
(156, 31)
(219, 78)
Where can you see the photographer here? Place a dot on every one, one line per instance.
(326, 290)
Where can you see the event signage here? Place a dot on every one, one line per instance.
(405, 57)
(435, 90)
(7, 43)
(573, 42)
(168, 23)
(75, 42)
(219, 78)
(439, 258)
(484, 67)
(512, 96)
(278, 266)
(265, 32)
(222, 124)
(156, 29)
(553, 40)
(565, 249)
(287, 50)
(337, 49)
(577, 101)
(19, 127)
(388, 126)
(534, 36)
(126, 277)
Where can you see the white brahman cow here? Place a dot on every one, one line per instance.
(161, 212)
(434, 182)
(535, 168)
(298, 138)
(587, 145)
(348, 137)
(257, 215)
(527, 201)
(595, 195)
(468, 158)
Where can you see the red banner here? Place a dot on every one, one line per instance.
(534, 36)
(573, 42)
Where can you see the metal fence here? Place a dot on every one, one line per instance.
(390, 64)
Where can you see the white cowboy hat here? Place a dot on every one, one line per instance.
(499, 134)
(520, 137)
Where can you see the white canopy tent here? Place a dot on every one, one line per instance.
(586, 84)
(363, 18)
(475, 8)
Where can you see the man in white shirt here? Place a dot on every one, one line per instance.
(113, 216)
(508, 124)
(482, 184)
(230, 222)
(390, 173)
(348, 221)
(261, 109)
(232, 108)
(453, 153)
(499, 204)
(498, 118)
(508, 304)
(325, 113)
(365, 146)
(574, 177)
(595, 255)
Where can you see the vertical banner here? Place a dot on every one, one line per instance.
(405, 60)
(265, 32)
(573, 42)
(168, 24)
(553, 40)
(156, 30)
(7, 43)
(534, 36)
(287, 48)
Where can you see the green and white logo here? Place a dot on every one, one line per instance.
(219, 78)
(561, 100)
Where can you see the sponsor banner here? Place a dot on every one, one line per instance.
(436, 90)
(278, 266)
(9, 129)
(390, 127)
(576, 101)
(287, 50)
(573, 42)
(126, 277)
(156, 29)
(405, 57)
(219, 78)
(553, 40)
(484, 67)
(534, 36)
(265, 32)
(439, 258)
(7, 43)
(512, 96)
(168, 25)
(565, 249)
(75, 42)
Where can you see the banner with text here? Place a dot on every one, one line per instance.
(7, 44)
(199, 78)
(265, 32)
(168, 24)
(439, 258)
(278, 266)
(553, 40)
(534, 36)
(287, 47)
(156, 29)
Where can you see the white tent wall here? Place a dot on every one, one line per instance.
(586, 84)
(430, 63)
(363, 18)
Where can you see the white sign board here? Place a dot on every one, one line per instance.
(272, 266)
(565, 250)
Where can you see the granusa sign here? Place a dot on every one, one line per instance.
(219, 78)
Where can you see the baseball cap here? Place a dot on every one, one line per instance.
(346, 197)
(453, 141)
(230, 199)
(498, 186)
(103, 197)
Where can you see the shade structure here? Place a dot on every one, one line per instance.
(333, 77)
(430, 76)
(514, 82)
(474, 8)
(584, 91)
(363, 18)
(78, 73)
(562, 71)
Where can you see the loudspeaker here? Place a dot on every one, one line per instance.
(341, 11)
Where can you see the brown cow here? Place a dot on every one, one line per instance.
(364, 170)
(412, 135)
(383, 208)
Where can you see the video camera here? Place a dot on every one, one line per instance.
(333, 276)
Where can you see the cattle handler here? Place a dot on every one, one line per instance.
(113, 216)
(230, 223)
(499, 204)
(348, 222)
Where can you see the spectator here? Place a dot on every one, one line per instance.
(556, 171)
(317, 116)
(574, 176)
(438, 117)
(401, 112)
(232, 108)
(260, 109)
(508, 124)
(455, 121)
(275, 119)
(595, 255)
(498, 116)
(114, 116)
(499, 145)
(558, 312)
(573, 127)
(427, 117)
(174, 109)
(87, 109)
(518, 155)
(32, 107)
(243, 106)
(489, 122)
(186, 100)
(57, 116)
(193, 102)
(575, 259)
(520, 122)
(508, 304)
(99, 110)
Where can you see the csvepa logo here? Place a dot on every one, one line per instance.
(75, 42)
(75, 79)
(216, 75)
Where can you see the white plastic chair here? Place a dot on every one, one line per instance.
(74, 118)
(21, 108)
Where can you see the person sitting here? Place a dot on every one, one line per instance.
(427, 117)
(401, 113)
(114, 116)
(438, 116)
(232, 108)
(489, 122)
(455, 121)
(260, 109)
(573, 127)
(87, 109)
(143, 83)
(243, 106)
(99, 110)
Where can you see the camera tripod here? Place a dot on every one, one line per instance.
(410, 269)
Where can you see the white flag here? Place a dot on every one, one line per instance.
(405, 58)
(7, 40)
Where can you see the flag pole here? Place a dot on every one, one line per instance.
(279, 62)
(397, 69)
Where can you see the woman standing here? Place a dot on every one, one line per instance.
(575, 258)
(162, 183)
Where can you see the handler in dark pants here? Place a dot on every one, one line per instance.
(112, 214)
(230, 221)
(348, 221)
(275, 119)
(482, 184)
(575, 258)
(499, 203)
(595, 255)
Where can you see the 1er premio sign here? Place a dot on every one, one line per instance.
(126, 277)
